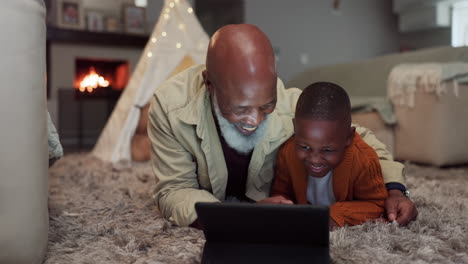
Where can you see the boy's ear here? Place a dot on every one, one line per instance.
(352, 131)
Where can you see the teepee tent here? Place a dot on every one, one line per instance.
(177, 41)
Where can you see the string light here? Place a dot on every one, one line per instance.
(164, 33)
(190, 10)
(177, 1)
(171, 4)
(178, 45)
(167, 10)
(150, 54)
(181, 26)
(153, 39)
(166, 16)
(141, 3)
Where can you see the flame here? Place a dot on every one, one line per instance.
(92, 81)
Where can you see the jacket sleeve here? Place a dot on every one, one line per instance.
(177, 188)
(369, 194)
(392, 170)
(282, 184)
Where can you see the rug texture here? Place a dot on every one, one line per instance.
(102, 215)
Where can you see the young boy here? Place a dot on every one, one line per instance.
(327, 163)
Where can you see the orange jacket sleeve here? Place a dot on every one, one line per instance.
(282, 184)
(369, 194)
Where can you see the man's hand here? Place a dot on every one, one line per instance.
(196, 224)
(279, 199)
(400, 208)
(332, 225)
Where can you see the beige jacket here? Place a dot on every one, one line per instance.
(186, 153)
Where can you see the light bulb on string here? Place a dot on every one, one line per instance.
(190, 10)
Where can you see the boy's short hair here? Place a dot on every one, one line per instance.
(324, 101)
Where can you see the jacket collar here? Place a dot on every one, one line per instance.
(197, 107)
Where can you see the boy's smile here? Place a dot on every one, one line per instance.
(320, 144)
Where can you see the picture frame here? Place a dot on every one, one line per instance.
(134, 19)
(112, 24)
(95, 21)
(69, 14)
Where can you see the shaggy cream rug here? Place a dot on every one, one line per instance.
(100, 215)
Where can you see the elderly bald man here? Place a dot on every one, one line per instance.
(215, 130)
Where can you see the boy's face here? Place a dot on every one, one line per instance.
(320, 144)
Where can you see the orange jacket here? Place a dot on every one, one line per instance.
(358, 184)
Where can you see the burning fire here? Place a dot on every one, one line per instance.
(92, 81)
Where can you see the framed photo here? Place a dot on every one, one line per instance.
(95, 21)
(112, 24)
(69, 14)
(134, 19)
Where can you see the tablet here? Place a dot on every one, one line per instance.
(264, 233)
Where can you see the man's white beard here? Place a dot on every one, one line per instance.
(233, 137)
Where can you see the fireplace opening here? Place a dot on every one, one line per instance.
(100, 78)
(85, 108)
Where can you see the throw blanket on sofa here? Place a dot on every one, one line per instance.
(374, 104)
(404, 79)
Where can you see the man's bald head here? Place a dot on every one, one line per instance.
(240, 50)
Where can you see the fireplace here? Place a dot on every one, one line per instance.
(100, 78)
(87, 103)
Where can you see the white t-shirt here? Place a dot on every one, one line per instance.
(320, 190)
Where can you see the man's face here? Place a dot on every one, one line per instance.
(321, 144)
(244, 103)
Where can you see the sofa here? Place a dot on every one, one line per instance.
(431, 132)
(23, 138)
(369, 77)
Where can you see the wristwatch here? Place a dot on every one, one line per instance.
(406, 193)
(398, 186)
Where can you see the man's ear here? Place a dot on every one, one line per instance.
(352, 131)
(207, 81)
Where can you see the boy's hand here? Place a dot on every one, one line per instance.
(400, 208)
(279, 199)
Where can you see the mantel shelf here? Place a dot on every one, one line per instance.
(58, 35)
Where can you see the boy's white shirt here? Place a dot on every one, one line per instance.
(320, 190)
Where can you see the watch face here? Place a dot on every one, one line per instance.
(406, 193)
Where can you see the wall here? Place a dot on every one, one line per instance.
(154, 9)
(152, 12)
(309, 29)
